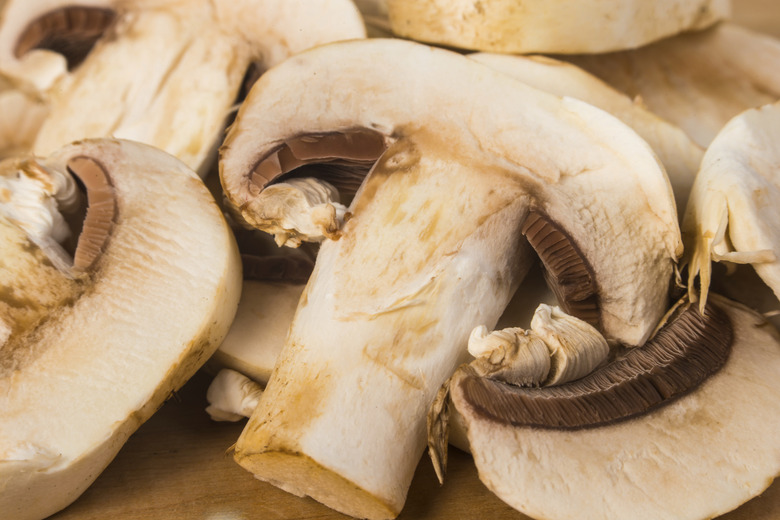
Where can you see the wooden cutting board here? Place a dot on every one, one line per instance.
(178, 465)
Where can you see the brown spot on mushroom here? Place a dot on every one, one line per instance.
(70, 31)
(678, 359)
(342, 158)
(101, 211)
(566, 270)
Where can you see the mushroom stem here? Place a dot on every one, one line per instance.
(381, 325)
(232, 396)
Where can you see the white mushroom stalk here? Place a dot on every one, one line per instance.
(568, 26)
(232, 396)
(23, 111)
(699, 80)
(441, 232)
(193, 54)
(92, 352)
(663, 420)
(732, 216)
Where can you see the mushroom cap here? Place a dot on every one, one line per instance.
(152, 307)
(678, 153)
(697, 457)
(732, 215)
(193, 53)
(568, 172)
(699, 80)
(573, 26)
(24, 110)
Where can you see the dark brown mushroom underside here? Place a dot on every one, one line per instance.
(101, 211)
(70, 31)
(678, 359)
(341, 158)
(566, 270)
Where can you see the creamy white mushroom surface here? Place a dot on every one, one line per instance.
(91, 349)
(564, 26)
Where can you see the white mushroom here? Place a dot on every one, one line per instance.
(94, 351)
(183, 63)
(563, 26)
(733, 215)
(474, 171)
(23, 111)
(683, 428)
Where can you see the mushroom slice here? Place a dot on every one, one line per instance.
(678, 153)
(194, 54)
(660, 433)
(732, 215)
(698, 81)
(152, 299)
(572, 26)
(433, 247)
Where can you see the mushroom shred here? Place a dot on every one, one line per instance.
(101, 212)
(566, 270)
(70, 31)
(678, 359)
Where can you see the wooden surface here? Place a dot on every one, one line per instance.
(177, 465)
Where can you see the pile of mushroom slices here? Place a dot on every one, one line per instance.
(120, 277)
(184, 64)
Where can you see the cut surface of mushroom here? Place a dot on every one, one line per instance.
(434, 246)
(194, 54)
(668, 422)
(572, 26)
(117, 333)
(678, 153)
(697, 81)
(732, 215)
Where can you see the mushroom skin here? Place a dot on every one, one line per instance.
(567, 27)
(194, 55)
(696, 80)
(147, 311)
(680, 156)
(732, 215)
(695, 457)
(433, 246)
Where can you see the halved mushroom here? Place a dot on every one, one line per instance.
(698, 81)
(182, 63)
(684, 427)
(474, 170)
(732, 215)
(91, 352)
(573, 26)
(680, 156)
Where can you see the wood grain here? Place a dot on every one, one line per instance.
(178, 466)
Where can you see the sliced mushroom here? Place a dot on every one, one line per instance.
(698, 81)
(151, 294)
(434, 245)
(678, 153)
(573, 26)
(193, 55)
(732, 215)
(682, 428)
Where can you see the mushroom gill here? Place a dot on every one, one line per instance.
(566, 269)
(678, 359)
(342, 159)
(101, 211)
(71, 31)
